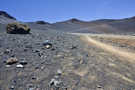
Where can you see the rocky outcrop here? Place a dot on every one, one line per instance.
(17, 28)
(11, 61)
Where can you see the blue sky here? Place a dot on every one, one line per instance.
(59, 10)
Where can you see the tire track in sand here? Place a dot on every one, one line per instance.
(112, 49)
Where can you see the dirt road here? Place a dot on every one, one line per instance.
(109, 48)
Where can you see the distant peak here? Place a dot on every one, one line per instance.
(5, 14)
(130, 18)
(133, 17)
(41, 22)
(74, 20)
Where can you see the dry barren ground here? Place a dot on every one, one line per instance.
(124, 58)
(124, 42)
(86, 62)
(119, 51)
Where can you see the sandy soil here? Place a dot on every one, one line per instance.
(112, 49)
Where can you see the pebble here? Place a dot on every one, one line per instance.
(99, 86)
(31, 88)
(54, 82)
(53, 49)
(38, 89)
(36, 51)
(23, 62)
(73, 47)
(12, 87)
(59, 72)
(7, 51)
(25, 49)
(47, 44)
(19, 66)
(34, 78)
(42, 67)
(7, 66)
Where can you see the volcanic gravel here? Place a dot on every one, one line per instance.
(84, 67)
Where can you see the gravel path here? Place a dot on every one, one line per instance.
(111, 49)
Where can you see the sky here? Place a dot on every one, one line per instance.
(59, 10)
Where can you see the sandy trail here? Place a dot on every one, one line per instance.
(112, 49)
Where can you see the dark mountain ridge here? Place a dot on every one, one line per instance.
(5, 14)
(5, 18)
(126, 25)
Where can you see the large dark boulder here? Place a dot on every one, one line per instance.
(17, 28)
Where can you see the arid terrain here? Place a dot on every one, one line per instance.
(87, 58)
(126, 42)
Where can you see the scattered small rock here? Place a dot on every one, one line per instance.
(47, 44)
(74, 47)
(11, 61)
(25, 49)
(34, 78)
(37, 67)
(40, 54)
(37, 88)
(31, 88)
(59, 72)
(53, 49)
(12, 87)
(23, 62)
(36, 51)
(42, 67)
(28, 46)
(99, 86)
(57, 82)
(54, 82)
(19, 66)
(7, 51)
(7, 66)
